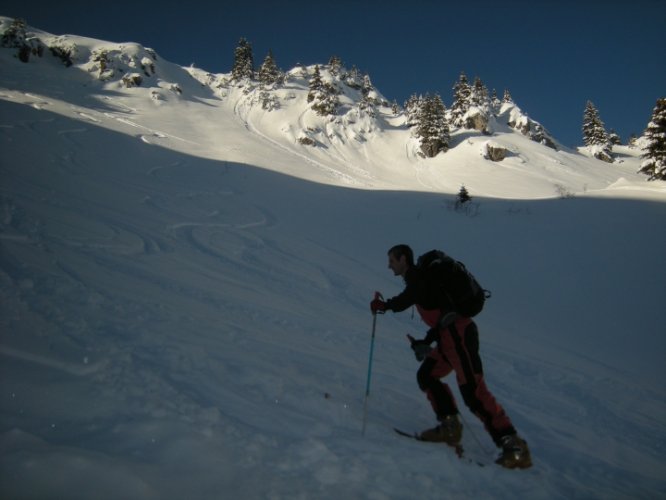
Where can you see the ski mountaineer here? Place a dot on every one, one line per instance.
(457, 349)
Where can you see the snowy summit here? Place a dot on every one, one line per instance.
(187, 261)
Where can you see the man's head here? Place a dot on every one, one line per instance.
(401, 259)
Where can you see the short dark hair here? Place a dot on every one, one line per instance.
(399, 251)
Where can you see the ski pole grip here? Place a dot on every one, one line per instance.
(378, 297)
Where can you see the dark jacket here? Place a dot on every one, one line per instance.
(425, 294)
(419, 291)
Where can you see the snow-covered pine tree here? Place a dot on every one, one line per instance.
(412, 109)
(367, 103)
(366, 87)
(540, 135)
(614, 138)
(477, 114)
(353, 78)
(495, 103)
(336, 65)
(243, 61)
(595, 135)
(462, 92)
(432, 128)
(322, 95)
(315, 84)
(654, 156)
(507, 96)
(479, 94)
(14, 37)
(269, 72)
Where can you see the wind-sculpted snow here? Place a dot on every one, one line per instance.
(184, 315)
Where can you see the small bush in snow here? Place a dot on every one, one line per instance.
(463, 197)
(269, 101)
(563, 192)
(307, 141)
(463, 203)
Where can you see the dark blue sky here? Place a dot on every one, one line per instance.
(552, 55)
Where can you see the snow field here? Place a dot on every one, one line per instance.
(184, 297)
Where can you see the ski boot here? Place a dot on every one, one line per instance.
(515, 453)
(449, 431)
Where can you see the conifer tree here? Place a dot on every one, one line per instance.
(367, 102)
(433, 128)
(366, 87)
(594, 133)
(352, 78)
(614, 138)
(243, 61)
(14, 37)
(495, 103)
(336, 65)
(268, 71)
(315, 85)
(479, 94)
(322, 95)
(462, 92)
(507, 96)
(462, 198)
(654, 156)
(540, 135)
(412, 109)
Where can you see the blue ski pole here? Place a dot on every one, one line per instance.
(372, 348)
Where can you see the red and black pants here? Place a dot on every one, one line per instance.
(458, 351)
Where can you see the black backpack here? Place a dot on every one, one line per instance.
(451, 278)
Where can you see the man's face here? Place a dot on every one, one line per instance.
(398, 266)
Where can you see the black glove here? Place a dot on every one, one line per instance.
(421, 348)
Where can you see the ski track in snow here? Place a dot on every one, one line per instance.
(79, 370)
(329, 171)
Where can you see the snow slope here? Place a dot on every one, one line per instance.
(185, 287)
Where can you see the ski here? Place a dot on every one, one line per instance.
(412, 435)
(460, 452)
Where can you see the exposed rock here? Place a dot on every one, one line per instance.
(432, 148)
(476, 119)
(132, 80)
(495, 151)
(604, 155)
(517, 120)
